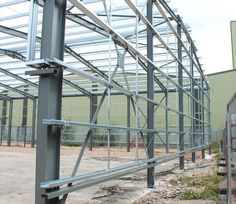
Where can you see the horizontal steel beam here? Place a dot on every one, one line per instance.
(12, 54)
(10, 3)
(118, 38)
(17, 91)
(109, 127)
(158, 36)
(68, 50)
(81, 21)
(112, 85)
(5, 97)
(75, 86)
(99, 177)
(15, 76)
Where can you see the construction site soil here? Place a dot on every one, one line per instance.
(17, 177)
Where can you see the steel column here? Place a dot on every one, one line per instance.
(196, 123)
(4, 115)
(32, 30)
(180, 95)
(128, 123)
(167, 122)
(49, 101)
(150, 95)
(229, 158)
(209, 119)
(93, 108)
(9, 122)
(202, 117)
(24, 117)
(193, 129)
(33, 122)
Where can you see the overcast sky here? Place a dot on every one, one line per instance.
(210, 24)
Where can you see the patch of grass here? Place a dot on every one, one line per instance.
(215, 146)
(201, 187)
(209, 192)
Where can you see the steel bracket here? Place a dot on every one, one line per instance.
(41, 72)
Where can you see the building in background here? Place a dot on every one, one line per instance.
(223, 86)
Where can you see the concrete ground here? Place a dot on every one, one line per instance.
(17, 177)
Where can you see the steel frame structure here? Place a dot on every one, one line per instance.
(90, 48)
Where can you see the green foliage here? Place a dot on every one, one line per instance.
(215, 146)
(67, 135)
(100, 137)
(209, 192)
(70, 144)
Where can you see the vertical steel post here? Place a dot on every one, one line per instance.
(193, 129)
(209, 119)
(180, 93)
(24, 116)
(49, 101)
(202, 117)
(1, 127)
(93, 108)
(128, 123)
(33, 122)
(167, 123)
(229, 158)
(32, 31)
(4, 117)
(17, 135)
(150, 95)
(10, 122)
(196, 124)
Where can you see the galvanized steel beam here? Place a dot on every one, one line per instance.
(17, 91)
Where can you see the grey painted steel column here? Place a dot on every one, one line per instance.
(49, 101)
(196, 122)
(17, 135)
(24, 117)
(229, 158)
(128, 123)
(167, 123)
(9, 122)
(150, 95)
(193, 129)
(33, 123)
(181, 106)
(202, 117)
(209, 119)
(4, 119)
(1, 127)
(93, 108)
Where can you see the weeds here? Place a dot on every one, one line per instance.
(200, 187)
